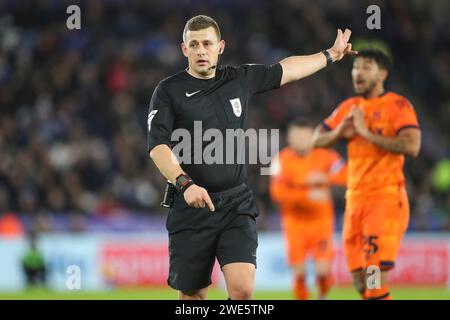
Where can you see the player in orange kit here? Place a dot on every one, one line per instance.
(381, 128)
(300, 183)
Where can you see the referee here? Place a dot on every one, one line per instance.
(213, 212)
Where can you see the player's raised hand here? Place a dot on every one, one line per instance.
(358, 122)
(197, 197)
(346, 128)
(341, 46)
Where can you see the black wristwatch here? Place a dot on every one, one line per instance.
(328, 56)
(183, 181)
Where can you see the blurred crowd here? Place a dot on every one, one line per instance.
(74, 103)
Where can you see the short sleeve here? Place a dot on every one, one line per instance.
(260, 78)
(336, 117)
(404, 115)
(160, 119)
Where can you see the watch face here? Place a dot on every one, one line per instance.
(182, 180)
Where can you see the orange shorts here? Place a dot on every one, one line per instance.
(372, 233)
(302, 242)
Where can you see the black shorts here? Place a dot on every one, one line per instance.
(198, 236)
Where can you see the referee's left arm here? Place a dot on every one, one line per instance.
(298, 67)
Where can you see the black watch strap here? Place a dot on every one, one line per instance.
(183, 181)
(328, 56)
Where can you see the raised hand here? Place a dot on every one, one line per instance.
(358, 122)
(341, 46)
(346, 128)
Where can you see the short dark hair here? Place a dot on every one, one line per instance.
(381, 58)
(301, 122)
(201, 22)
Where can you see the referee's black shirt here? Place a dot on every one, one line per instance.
(220, 102)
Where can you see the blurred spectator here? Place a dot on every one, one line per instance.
(33, 264)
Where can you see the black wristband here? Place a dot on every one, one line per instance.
(328, 56)
(183, 181)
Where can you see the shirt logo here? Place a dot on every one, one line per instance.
(151, 115)
(191, 94)
(376, 115)
(236, 106)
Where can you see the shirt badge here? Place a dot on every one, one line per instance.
(236, 106)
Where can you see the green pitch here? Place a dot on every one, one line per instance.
(339, 293)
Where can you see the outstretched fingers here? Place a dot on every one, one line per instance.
(346, 35)
(339, 35)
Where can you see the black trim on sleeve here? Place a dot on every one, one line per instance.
(407, 127)
(326, 127)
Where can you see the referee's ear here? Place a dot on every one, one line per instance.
(221, 46)
(184, 49)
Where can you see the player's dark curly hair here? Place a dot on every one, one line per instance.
(382, 59)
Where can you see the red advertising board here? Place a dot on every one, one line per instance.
(421, 261)
(138, 264)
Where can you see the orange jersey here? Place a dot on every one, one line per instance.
(373, 171)
(300, 184)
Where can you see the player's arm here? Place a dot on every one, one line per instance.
(298, 67)
(407, 142)
(284, 194)
(323, 138)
